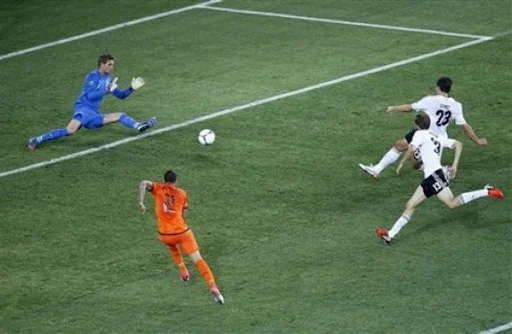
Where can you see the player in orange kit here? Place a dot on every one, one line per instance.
(171, 205)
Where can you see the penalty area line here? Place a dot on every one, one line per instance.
(343, 22)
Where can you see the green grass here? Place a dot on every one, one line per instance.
(22, 27)
(282, 213)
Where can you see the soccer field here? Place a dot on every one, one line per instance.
(296, 92)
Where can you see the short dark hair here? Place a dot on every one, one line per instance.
(422, 121)
(170, 176)
(104, 59)
(445, 84)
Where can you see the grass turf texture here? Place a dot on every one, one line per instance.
(282, 213)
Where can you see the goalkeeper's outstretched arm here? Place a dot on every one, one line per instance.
(122, 94)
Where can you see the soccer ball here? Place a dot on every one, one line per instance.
(206, 137)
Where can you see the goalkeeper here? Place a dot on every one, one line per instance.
(98, 83)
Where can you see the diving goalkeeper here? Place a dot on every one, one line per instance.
(97, 85)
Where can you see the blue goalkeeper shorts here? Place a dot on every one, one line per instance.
(88, 117)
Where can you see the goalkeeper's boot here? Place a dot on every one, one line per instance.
(147, 125)
(383, 234)
(217, 296)
(369, 169)
(494, 192)
(32, 144)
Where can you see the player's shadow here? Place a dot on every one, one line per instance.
(215, 247)
(89, 139)
(469, 218)
(203, 158)
(427, 226)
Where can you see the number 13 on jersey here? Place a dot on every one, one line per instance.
(168, 205)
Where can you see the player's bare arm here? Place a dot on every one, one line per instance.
(402, 108)
(143, 187)
(458, 151)
(468, 130)
(409, 153)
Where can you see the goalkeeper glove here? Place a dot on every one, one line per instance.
(137, 83)
(113, 85)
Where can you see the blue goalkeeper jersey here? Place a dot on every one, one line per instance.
(95, 88)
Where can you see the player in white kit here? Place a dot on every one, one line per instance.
(430, 147)
(442, 109)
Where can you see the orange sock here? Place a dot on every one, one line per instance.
(205, 271)
(176, 255)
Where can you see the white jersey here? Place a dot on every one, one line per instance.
(430, 147)
(441, 111)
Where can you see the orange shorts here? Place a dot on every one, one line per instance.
(186, 240)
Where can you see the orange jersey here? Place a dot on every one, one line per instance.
(170, 201)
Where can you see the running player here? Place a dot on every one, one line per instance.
(435, 182)
(171, 205)
(442, 109)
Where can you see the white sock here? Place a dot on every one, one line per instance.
(391, 156)
(465, 198)
(401, 222)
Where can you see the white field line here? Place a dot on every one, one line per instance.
(498, 329)
(107, 29)
(351, 23)
(245, 106)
